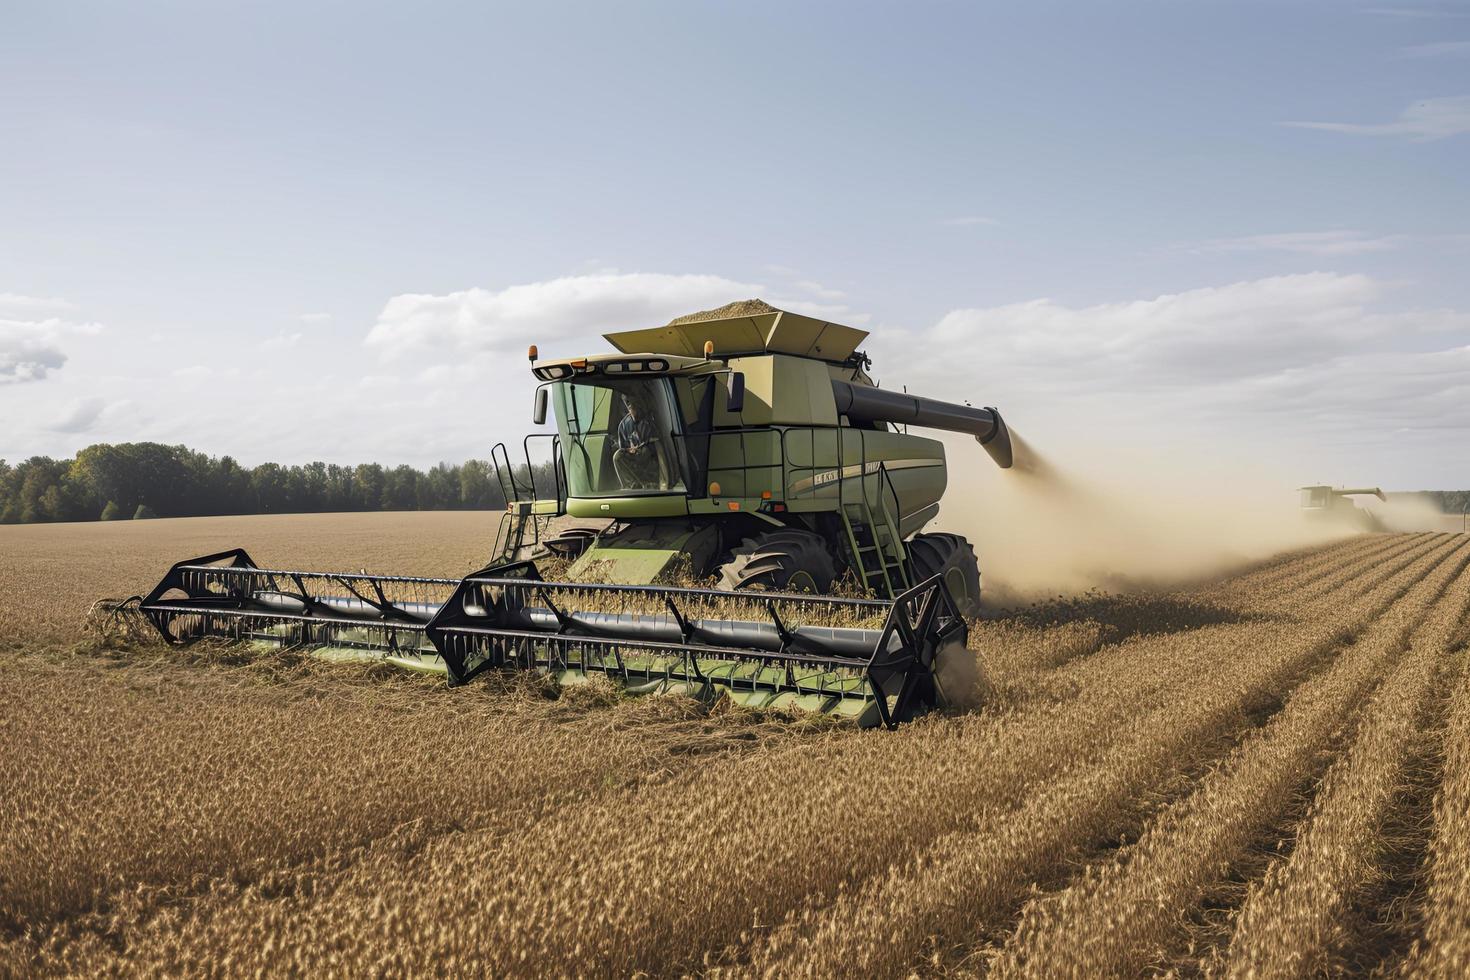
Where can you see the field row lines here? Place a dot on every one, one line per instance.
(1124, 915)
(1292, 921)
(967, 883)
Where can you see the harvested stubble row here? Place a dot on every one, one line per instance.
(1123, 916)
(1306, 565)
(1021, 647)
(648, 858)
(1444, 950)
(969, 881)
(1294, 919)
(125, 789)
(1354, 572)
(655, 877)
(1317, 578)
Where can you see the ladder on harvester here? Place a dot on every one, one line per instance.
(873, 538)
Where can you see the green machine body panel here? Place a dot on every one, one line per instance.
(777, 426)
(640, 552)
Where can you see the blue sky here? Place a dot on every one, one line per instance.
(309, 230)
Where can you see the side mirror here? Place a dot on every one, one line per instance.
(735, 400)
(539, 415)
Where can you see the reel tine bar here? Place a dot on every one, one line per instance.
(227, 595)
(507, 616)
(850, 655)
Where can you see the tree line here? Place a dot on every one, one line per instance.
(147, 479)
(1450, 501)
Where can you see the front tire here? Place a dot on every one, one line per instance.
(953, 558)
(788, 560)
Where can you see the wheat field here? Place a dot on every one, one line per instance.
(1265, 775)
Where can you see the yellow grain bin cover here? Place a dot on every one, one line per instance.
(777, 332)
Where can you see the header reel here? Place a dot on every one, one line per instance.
(877, 662)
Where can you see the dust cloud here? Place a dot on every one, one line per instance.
(1118, 521)
(1411, 513)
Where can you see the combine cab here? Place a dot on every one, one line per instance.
(749, 450)
(1335, 506)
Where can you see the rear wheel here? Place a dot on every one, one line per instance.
(952, 557)
(788, 560)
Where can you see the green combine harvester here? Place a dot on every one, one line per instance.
(1333, 505)
(746, 449)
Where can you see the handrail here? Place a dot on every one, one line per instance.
(893, 492)
(512, 487)
(558, 476)
(504, 475)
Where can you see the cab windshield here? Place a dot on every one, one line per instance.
(618, 437)
(1313, 497)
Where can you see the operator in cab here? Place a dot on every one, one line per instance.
(636, 459)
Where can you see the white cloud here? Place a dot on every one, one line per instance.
(16, 305)
(968, 221)
(1431, 119)
(461, 372)
(31, 349)
(33, 332)
(1439, 49)
(1399, 391)
(558, 310)
(1319, 359)
(196, 374)
(1341, 242)
(28, 352)
(1181, 338)
(818, 290)
(281, 341)
(80, 417)
(1288, 360)
(811, 297)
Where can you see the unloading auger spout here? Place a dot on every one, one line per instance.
(869, 404)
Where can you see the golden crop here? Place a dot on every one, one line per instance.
(1267, 775)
